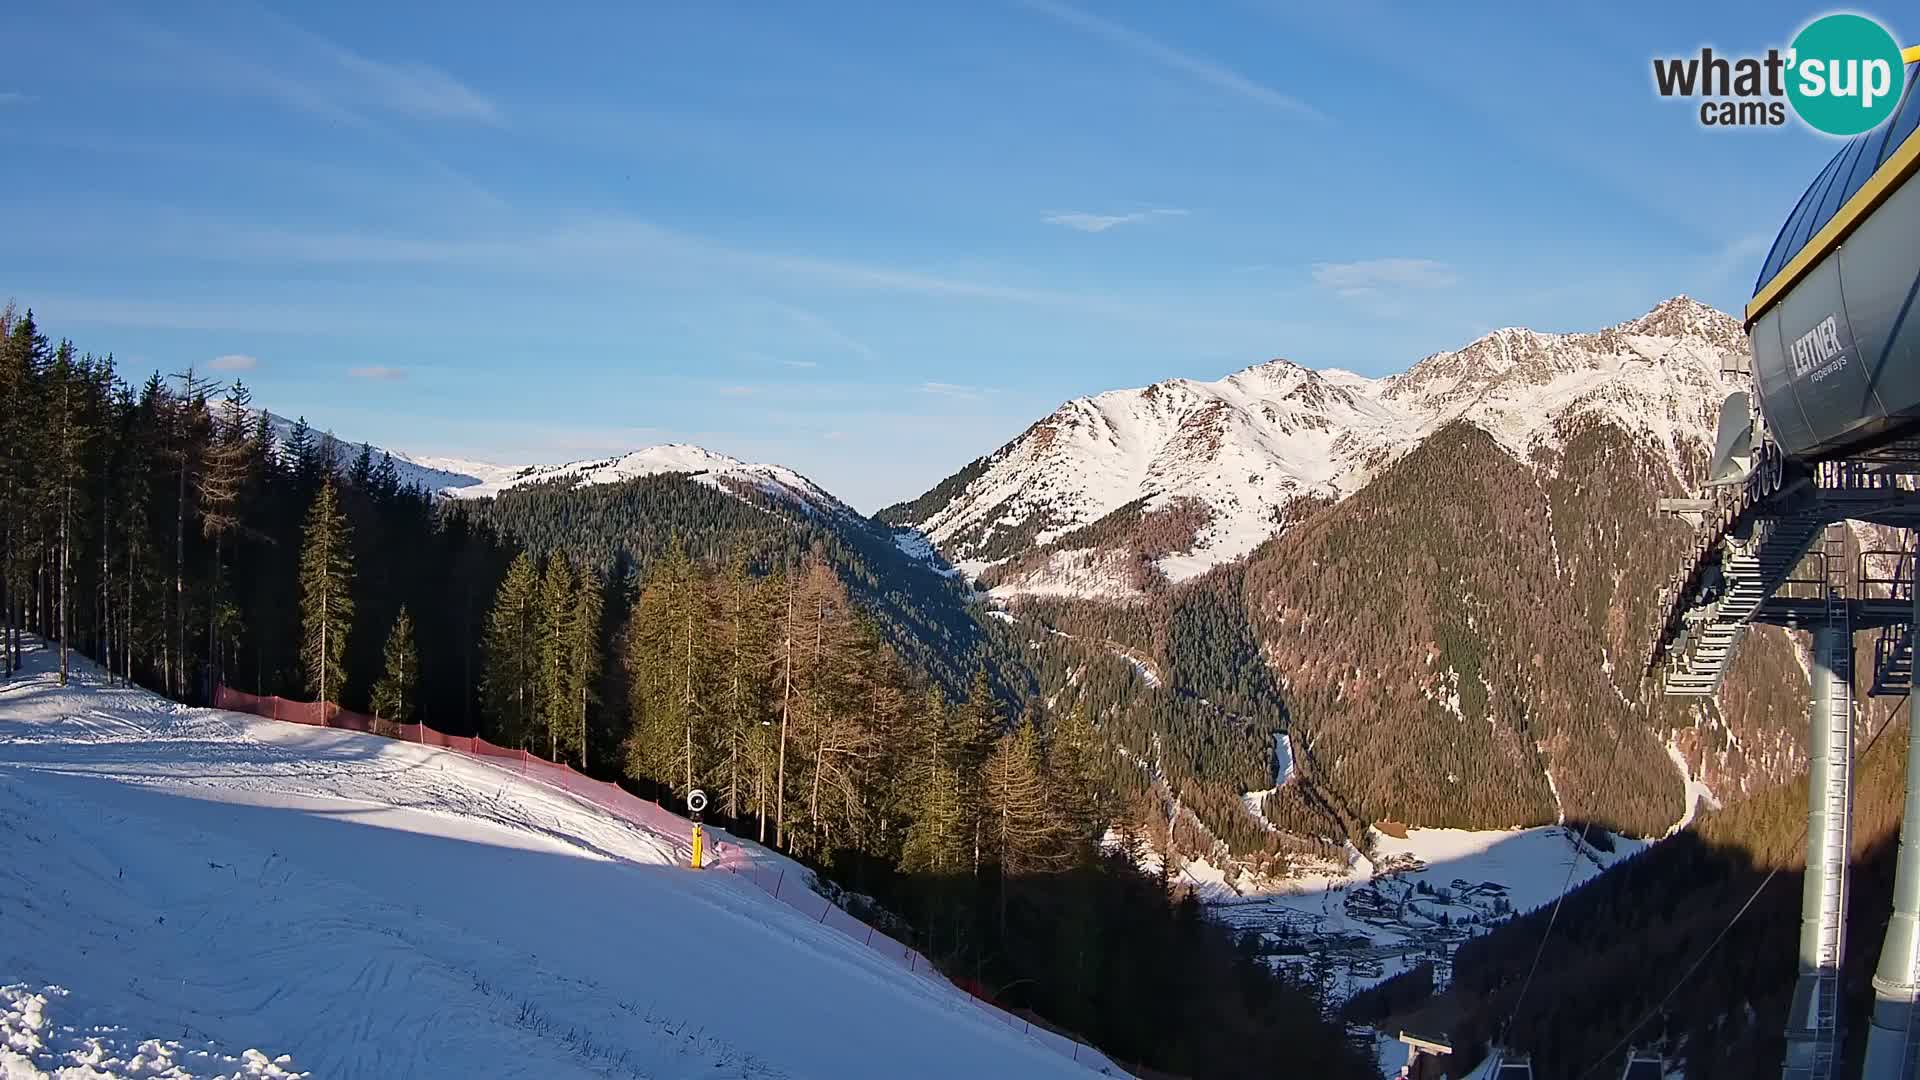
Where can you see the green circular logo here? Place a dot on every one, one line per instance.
(1845, 74)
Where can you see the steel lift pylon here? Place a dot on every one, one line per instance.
(1780, 558)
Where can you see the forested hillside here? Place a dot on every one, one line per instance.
(1470, 624)
(624, 528)
(164, 531)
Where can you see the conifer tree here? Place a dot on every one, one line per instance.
(326, 595)
(360, 473)
(583, 659)
(938, 839)
(386, 477)
(670, 663)
(302, 455)
(976, 727)
(191, 431)
(23, 355)
(555, 645)
(1073, 772)
(511, 653)
(394, 694)
(221, 483)
(70, 432)
(1023, 831)
(745, 685)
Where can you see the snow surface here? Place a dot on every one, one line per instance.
(914, 545)
(1249, 445)
(1370, 920)
(374, 908)
(1282, 758)
(1531, 863)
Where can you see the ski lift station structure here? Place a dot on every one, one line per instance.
(1826, 431)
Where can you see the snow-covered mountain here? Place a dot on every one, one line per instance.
(459, 478)
(1218, 464)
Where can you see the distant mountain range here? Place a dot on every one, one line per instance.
(460, 478)
(1218, 464)
(1436, 581)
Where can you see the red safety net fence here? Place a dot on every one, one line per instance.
(723, 852)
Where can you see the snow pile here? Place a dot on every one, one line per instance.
(1249, 445)
(33, 1047)
(376, 908)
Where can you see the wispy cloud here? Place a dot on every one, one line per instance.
(1369, 277)
(234, 362)
(1739, 258)
(1199, 68)
(955, 390)
(614, 241)
(739, 391)
(377, 373)
(15, 97)
(1098, 223)
(826, 329)
(804, 365)
(313, 74)
(412, 88)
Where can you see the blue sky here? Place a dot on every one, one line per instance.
(869, 241)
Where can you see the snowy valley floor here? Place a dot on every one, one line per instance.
(218, 895)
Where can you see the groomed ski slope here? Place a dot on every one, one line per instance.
(227, 896)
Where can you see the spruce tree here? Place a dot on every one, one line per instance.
(511, 653)
(669, 661)
(222, 482)
(583, 649)
(1073, 771)
(394, 694)
(386, 478)
(326, 596)
(555, 643)
(23, 355)
(938, 839)
(70, 432)
(976, 727)
(302, 455)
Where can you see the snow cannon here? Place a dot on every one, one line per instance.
(1833, 320)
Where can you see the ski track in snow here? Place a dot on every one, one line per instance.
(374, 908)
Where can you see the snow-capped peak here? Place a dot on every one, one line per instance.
(716, 469)
(1234, 453)
(460, 478)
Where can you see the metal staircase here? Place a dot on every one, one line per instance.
(1893, 649)
(1749, 574)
